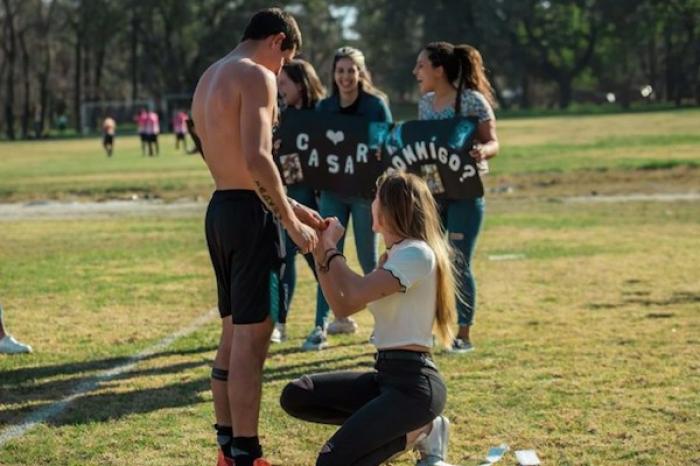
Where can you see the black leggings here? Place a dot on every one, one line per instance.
(375, 409)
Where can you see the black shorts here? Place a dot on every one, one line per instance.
(144, 137)
(180, 136)
(247, 252)
(108, 139)
(153, 138)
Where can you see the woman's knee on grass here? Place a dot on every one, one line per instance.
(296, 396)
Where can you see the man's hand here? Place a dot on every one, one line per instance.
(303, 236)
(308, 216)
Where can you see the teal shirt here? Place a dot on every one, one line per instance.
(370, 106)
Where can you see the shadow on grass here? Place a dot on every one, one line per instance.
(293, 371)
(297, 349)
(18, 376)
(677, 298)
(102, 407)
(58, 388)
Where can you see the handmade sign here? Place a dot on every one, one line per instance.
(347, 154)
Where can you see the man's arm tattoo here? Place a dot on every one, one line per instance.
(267, 199)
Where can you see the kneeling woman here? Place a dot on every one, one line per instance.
(411, 294)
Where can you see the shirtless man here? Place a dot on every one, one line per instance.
(109, 127)
(233, 108)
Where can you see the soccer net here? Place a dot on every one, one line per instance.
(171, 104)
(92, 114)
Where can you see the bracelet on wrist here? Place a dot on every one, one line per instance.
(325, 266)
(330, 259)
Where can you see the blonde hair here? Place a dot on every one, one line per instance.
(358, 58)
(410, 211)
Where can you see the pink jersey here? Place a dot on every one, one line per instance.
(153, 126)
(180, 122)
(142, 121)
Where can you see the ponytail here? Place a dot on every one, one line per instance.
(464, 68)
(460, 52)
(472, 74)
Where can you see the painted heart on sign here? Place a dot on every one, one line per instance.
(335, 136)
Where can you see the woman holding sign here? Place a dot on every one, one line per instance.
(353, 94)
(412, 294)
(453, 82)
(300, 88)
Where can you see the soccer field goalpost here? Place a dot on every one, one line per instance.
(123, 111)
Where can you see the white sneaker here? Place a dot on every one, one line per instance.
(344, 325)
(8, 345)
(433, 448)
(279, 333)
(317, 340)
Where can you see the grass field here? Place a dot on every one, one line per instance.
(587, 343)
(536, 147)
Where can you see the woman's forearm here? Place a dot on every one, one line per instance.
(491, 148)
(338, 282)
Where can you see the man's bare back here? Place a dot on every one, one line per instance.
(216, 109)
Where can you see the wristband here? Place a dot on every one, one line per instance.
(328, 263)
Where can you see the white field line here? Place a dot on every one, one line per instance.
(41, 415)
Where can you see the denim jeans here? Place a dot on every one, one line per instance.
(462, 219)
(306, 196)
(334, 205)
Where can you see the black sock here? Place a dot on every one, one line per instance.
(246, 450)
(224, 437)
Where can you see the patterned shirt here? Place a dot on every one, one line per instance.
(473, 104)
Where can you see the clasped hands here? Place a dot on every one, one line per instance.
(313, 233)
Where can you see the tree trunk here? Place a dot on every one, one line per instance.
(26, 111)
(9, 45)
(43, 75)
(565, 91)
(134, 56)
(525, 103)
(99, 66)
(78, 82)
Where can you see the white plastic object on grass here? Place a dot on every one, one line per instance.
(527, 458)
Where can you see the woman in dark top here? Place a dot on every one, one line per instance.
(299, 88)
(353, 94)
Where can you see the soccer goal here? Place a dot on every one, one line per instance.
(92, 114)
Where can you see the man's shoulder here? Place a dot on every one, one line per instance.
(250, 72)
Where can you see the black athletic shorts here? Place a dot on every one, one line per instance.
(180, 136)
(247, 252)
(153, 138)
(144, 137)
(108, 139)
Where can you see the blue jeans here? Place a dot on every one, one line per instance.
(334, 205)
(305, 196)
(463, 219)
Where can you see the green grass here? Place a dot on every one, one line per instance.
(620, 143)
(586, 348)
(587, 343)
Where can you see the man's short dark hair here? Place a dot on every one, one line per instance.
(272, 21)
